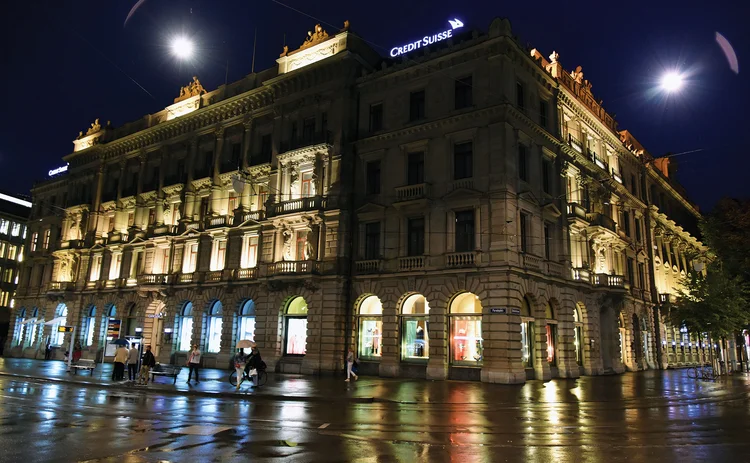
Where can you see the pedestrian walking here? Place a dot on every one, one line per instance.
(47, 349)
(149, 361)
(350, 360)
(240, 360)
(133, 355)
(121, 357)
(254, 363)
(194, 361)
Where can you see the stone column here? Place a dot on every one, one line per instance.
(96, 203)
(121, 217)
(437, 365)
(159, 212)
(139, 207)
(188, 203)
(390, 362)
(246, 144)
(216, 189)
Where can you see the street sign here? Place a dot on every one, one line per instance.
(113, 328)
(515, 311)
(64, 329)
(500, 310)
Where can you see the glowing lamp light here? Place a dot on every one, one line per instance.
(182, 47)
(672, 82)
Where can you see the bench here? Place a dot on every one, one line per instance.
(165, 370)
(83, 364)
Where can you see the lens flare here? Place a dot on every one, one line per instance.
(671, 82)
(182, 48)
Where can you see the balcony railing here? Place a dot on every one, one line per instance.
(110, 284)
(153, 279)
(314, 203)
(602, 220)
(310, 139)
(218, 221)
(246, 273)
(291, 267)
(213, 276)
(60, 286)
(577, 211)
(187, 278)
(531, 262)
(461, 259)
(575, 143)
(555, 269)
(601, 163)
(369, 266)
(252, 216)
(467, 183)
(617, 177)
(411, 192)
(603, 279)
(581, 274)
(408, 263)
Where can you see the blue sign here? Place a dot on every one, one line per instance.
(427, 39)
(501, 310)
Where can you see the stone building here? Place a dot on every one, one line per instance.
(465, 211)
(14, 213)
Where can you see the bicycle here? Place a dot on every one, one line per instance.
(262, 377)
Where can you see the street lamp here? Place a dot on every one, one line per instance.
(182, 47)
(672, 82)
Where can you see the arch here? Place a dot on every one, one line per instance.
(549, 311)
(184, 326)
(527, 332)
(88, 324)
(215, 324)
(466, 343)
(246, 320)
(415, 339)
(637, 345)
(526, 307)
(61, 318)
(295, 326)
(20, 325)
(578, 339)
(370, 335)
(111, 310)
(35, 312)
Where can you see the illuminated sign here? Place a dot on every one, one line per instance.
(59, 170)
(427, 39)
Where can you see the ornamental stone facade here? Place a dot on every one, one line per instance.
(467, 211)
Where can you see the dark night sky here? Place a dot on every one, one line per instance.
(65, 63)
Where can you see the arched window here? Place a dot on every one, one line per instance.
(415, 341)
(33, 327)
(295, 319)
(185, 327)
(370, 328)
(246, 322)
(466, 329)
(88, 326)
(20, 326)
(551, 331)
(61, 319)
(215, 323)
(578, 333)
(527, 334)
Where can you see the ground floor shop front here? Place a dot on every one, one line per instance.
(493, 328)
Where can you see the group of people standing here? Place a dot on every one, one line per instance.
(131, 357)
(248, 365)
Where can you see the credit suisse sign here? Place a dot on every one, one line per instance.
(427, 39)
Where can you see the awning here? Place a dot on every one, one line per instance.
(28, 320)
(55, 321)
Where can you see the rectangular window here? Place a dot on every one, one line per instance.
(520, 96)
(630, 270)
(626, 222)
(376, 117)
(415, 168)
(33, 243)
(462, 92)
(370, 337)
(4, 225)
(96, 268)
(15, 230)
(12, 250)
(249, 258)
(151, 216)
(546, 171)
(466, 346)
(191, 258)
(131, 219)
(232, 203)
(415, 236)
(306, 186)
(543, 113)
(301, 245)
(547, 241)
(465, 231)
(637, 230)
(308, 129)
(114, 266)
(293, 132)
(218, 255)
(45, 241)
(372, 178)
(633, 185)
(527, 344)
(642, 275)
(234, 160)
(416, 106)
(523, 163)
(463, 166)
(372, 241)
(266, 147)
(551, 337)
(524, 231)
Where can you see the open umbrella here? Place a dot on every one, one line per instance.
(245, 343)
(120, 342)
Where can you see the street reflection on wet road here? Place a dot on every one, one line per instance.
(639, 417)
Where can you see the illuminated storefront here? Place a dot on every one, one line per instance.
(370, 328)
(185, 327)
(466, 330)
(551, 332)
(246, 321)
(415, 342)
(295, 332)
(527, 335)
(578, 335)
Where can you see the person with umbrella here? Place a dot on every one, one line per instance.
(254, 363)
(121, 356)
(240, 359)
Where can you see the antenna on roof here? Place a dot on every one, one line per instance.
(255, 41)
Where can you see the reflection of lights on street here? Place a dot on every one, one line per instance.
(671, 81)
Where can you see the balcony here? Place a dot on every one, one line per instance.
(218, 221)
(409, 263)
(555, 269)
(576, 211)
(186, 278)
(575, 143)
(369, 266)
(314, 203)
(461, 259)
(601, 163)
(153, 279)
(110, 284)
(617, 177)
(318, 138)
(292, 267)
(581, 274)
(464, 183)
(213, 276)
(530, 262)
(601, 220)
(55, 286)
(603, 279)
(412, 192)
(249, 216)
(246, 273)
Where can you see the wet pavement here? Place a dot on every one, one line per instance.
(635, 417)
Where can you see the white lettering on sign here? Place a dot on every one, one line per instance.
(427, 39)
(59, 170)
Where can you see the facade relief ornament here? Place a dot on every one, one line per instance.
(554, 57)
(577, 75)
(314, 38)
(192, 89)
(288, 251)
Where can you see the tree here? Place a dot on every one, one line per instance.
(726, 231)
(714, 303)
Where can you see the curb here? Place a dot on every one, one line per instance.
(195, 393)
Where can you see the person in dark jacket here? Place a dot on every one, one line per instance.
(148, 362)
(254, 362)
